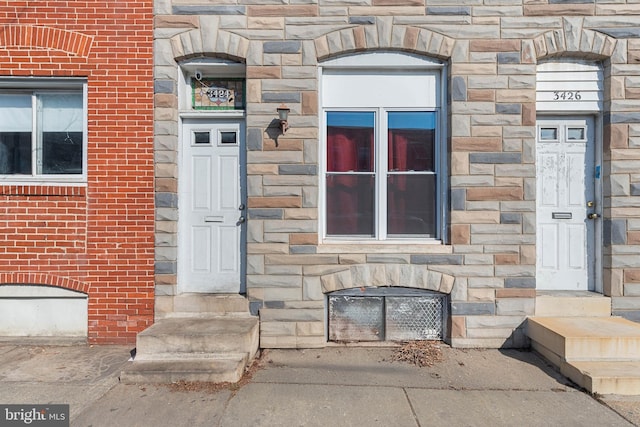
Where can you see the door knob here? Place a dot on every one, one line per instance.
(241, 207)
(593, 216)
(241, 220)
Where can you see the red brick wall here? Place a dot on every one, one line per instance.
(96, 238)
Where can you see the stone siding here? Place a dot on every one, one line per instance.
(492, 51)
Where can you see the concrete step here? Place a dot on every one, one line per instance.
(199, 335)
(572, 304)
(600, 354)
(212, 349)
(204, 305)
(197, 304)
(217, 370)
(605, 377)
(586, 338)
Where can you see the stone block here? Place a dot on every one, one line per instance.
(458, 327)
(495, 193)
(460, 234)
(485, 282)
(625, 303)
(312, 289)
(437, 259)
(478, 259)
(275, 329)
(491, 322)
(479, 95)
(515, 306)
(481, 294)
(476, 143)
(520, 282)
(493, 158)
(466, 217)
(273, 281)
(292, 315)
(459, 290)
(278, 341)
(473, 308)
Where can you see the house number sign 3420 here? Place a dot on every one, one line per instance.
(567, 95)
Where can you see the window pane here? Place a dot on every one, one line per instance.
(228, 138)
(350, 139)
(548, 134)
(60, 125)
(201, 137)
(575, 134)
(411, 205)
(411, 141)
(15, 153)
(15, 113)
(15, 134)
(350, 201)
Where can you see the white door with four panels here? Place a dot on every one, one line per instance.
(565, 204)
(211, 207)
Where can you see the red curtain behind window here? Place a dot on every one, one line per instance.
(348, 150)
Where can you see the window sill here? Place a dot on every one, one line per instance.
(387, 247)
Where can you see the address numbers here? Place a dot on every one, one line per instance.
(567, 95)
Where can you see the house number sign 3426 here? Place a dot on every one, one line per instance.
(567, 95)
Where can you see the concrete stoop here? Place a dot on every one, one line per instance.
(201, 346)
(600, 354)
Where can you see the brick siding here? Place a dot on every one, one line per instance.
(96, 237)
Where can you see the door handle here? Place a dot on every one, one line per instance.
(241, 220)
(593, 216)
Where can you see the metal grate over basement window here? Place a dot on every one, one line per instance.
(387, 314)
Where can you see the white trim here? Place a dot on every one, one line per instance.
(227, 114)
(569, 85)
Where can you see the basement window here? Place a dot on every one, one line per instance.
(387, 314)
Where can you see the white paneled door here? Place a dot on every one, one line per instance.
(212, 211)
(566, 204)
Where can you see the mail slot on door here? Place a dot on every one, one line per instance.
(213, 219)
(561, 215)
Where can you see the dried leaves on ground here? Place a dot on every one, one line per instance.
(210, 387)
(419, 353)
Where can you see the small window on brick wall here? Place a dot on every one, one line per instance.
(42, 133)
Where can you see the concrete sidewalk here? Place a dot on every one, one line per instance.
(336, 386)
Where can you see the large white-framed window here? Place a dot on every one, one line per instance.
(383, 156)
(43, 130)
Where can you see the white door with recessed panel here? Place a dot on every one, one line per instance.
(566, 206)
(212, 211)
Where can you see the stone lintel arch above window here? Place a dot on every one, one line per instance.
(209, 41)
(395, 275)
(574, 41)
(384, 36)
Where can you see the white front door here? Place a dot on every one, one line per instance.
(565, 199)
(211, 207)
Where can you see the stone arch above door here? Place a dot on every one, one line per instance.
(403, 275)
(575, 41)
(384, 36)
